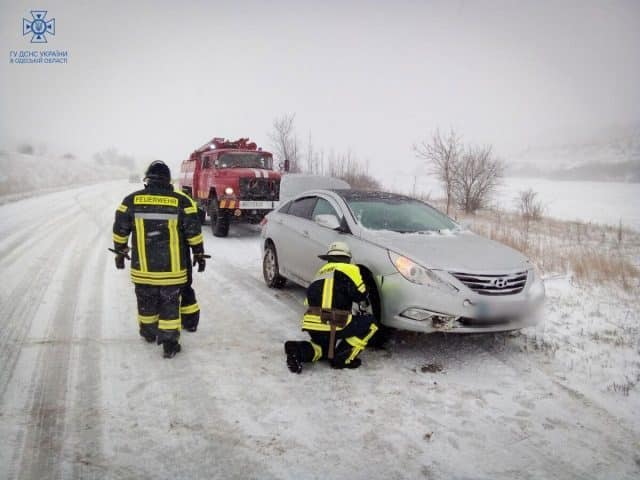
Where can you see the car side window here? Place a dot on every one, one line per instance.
(302, 207)
(323, 207)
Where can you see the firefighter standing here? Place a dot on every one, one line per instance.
(162, 223)
(330, 298)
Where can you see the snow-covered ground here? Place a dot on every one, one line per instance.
(82, 396)
(600, 202)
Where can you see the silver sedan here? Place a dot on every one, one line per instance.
(424, 271)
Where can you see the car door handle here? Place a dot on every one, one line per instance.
(305, 233)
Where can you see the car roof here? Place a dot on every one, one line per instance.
(353, 194)
(294, 184)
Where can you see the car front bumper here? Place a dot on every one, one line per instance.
(421, 308)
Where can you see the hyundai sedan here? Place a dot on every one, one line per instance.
(424, 271)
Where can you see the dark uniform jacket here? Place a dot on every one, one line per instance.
(336, 286)
(163, 222)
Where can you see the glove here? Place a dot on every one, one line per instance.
(120, 256)
(200, 259)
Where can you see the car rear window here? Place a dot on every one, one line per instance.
(285, 207)
(302, 207)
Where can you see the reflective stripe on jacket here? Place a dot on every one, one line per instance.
(162, 223)
(335, 287)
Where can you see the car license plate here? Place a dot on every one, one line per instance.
(248, 204)
(482, 309)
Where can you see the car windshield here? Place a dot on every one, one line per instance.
(245, 160)
(399, 214)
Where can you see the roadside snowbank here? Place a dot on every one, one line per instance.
(21, 174)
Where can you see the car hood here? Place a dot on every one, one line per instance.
(452, 251)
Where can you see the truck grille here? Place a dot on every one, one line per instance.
(259, 189)
(509, 284)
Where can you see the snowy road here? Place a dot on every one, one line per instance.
(82, 396)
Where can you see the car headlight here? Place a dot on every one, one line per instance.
(228, 191)
(416, 273)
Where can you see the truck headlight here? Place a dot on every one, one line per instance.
(418, 274)
(228, 191)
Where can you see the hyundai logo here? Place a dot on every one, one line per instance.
(500, 282)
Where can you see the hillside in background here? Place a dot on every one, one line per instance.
(24, 173)
(607, 157)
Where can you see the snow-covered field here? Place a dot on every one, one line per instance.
(82, 396)
(599, 202)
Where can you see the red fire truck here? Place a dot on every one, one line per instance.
(231, 181)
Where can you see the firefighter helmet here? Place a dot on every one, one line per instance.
(337, 249)
(159, 172)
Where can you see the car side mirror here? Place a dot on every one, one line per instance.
(327, 220)
(344, 226)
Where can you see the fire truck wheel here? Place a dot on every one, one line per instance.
(219, 220)
(270, 269)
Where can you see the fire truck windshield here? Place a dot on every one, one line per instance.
(245, 160)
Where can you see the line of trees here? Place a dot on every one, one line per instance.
(469, 173)
(286, 145)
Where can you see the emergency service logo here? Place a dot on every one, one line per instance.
(38, 26)
(39, 30)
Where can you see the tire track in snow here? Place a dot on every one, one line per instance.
(14, 245)
(85, 420)
(21, 305)
(41, 452)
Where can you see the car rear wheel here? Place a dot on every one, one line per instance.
(270, 269)
(219, 220)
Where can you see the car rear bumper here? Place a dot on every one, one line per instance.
(420, 308)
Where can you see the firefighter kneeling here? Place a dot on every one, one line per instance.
(330, 298)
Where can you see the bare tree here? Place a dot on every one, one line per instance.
(443, 156)
(314, 161)
(26, 148)
(285, 141)
(475, 178)
(528, 205)
(352, 170)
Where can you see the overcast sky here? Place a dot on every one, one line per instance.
(159, 78)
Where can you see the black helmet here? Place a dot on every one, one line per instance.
(158, 172)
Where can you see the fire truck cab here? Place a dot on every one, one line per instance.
(231, 181)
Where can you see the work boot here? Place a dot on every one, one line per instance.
(292, 350)
(339, 364)
(148, 335)
(171, 348)
(342, 353)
